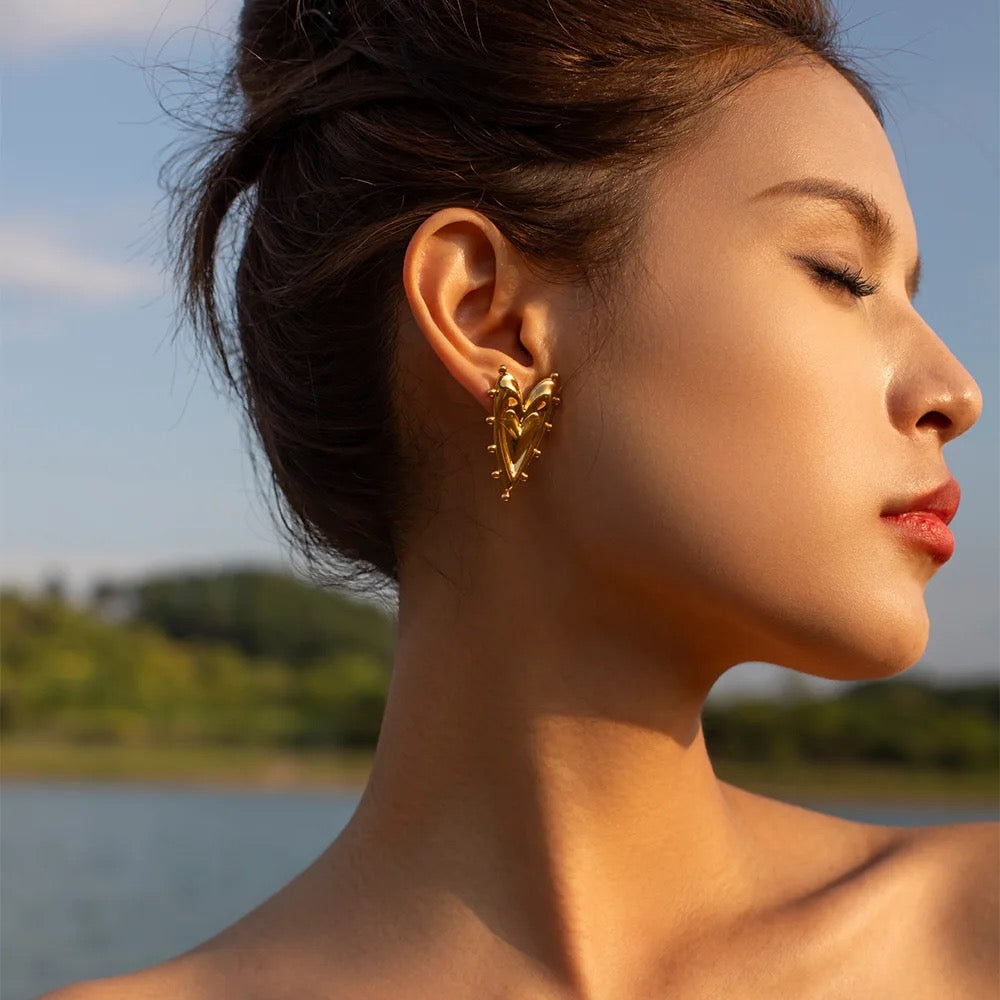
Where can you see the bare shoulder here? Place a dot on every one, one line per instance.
(917, 909)
(963, 861)
(964, 867)
(968, 850)
(175, 979)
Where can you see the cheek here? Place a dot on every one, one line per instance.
(739, 456)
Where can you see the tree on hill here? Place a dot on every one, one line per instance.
(264, 613)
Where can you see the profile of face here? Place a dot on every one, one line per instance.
(769, 390)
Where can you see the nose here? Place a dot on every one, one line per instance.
(953, 413)
(932, 389)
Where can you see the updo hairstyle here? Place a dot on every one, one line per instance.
(339, 127)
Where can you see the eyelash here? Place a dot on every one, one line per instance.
(843, 277)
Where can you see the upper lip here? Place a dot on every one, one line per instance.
(942, 501)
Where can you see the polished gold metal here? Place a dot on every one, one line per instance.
(519, 425)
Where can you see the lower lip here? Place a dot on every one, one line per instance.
(927, 530)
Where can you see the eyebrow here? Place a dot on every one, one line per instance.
(875, 222)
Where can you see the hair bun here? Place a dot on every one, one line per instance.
(322, 21)
(275, 33)
(290, 29)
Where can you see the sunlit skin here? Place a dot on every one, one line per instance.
(543, 819)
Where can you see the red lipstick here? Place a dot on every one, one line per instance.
(924, 519)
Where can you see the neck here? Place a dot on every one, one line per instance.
(541, 763)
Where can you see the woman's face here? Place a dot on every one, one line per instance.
(732, 453)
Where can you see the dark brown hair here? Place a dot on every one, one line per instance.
(341, 125)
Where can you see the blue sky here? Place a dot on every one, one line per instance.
(119, 456)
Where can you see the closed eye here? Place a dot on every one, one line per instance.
(842, 277)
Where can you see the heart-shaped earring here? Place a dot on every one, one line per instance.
(519, 425)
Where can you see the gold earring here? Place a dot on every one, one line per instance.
(519, 425)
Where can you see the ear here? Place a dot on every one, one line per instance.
(475, 302)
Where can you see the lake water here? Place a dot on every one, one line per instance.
(100, 879)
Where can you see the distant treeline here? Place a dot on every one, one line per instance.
(894, 721)
(229, 657)
(258, 657)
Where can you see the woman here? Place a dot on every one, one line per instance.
(590, 325)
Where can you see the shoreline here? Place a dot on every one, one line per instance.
(219, 767)
(345, 771)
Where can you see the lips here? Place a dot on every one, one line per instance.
(941, 501)
(924, 519)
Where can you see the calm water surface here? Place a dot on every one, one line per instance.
(100, 879)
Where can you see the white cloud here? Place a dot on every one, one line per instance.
(41, 263)
(28, 27)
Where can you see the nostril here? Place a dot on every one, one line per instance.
(936, 418)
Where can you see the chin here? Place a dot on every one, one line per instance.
(885, 648)
(868, 669)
